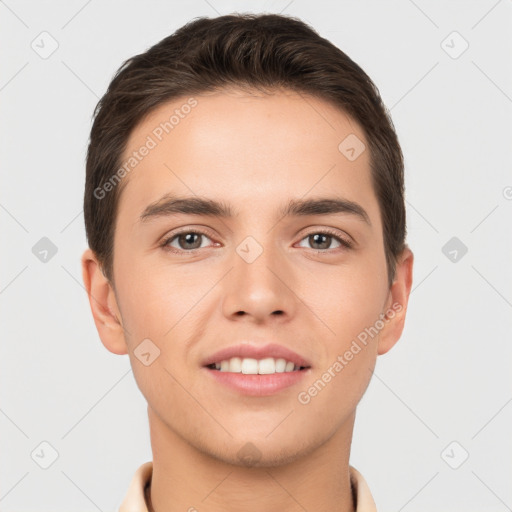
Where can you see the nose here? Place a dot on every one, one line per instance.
(262, 289)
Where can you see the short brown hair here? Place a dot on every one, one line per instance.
(264, 52)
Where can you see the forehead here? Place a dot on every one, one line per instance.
(248, 146)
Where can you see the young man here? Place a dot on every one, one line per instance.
(245, 215)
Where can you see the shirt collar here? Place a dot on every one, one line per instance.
(134, 500)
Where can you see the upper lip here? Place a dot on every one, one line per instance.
(256, 352)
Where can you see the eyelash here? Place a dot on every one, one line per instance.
(346, 244)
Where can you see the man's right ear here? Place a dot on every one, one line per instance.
(103, 304)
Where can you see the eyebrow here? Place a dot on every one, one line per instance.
(170, 205)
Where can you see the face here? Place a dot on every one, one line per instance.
(300, 285)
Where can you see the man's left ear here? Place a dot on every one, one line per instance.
(396, 307)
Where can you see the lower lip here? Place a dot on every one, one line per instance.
(258, 385)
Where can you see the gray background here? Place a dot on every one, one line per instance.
(447, 380)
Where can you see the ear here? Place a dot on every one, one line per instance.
(103, 304)
(396, 306)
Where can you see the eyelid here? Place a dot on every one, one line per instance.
(189, 229)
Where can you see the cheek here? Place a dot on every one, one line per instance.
(346, 367)
(347, 299)
(161, 306)
(350, 306)
(154, 299)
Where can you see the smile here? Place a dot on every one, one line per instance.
(251, 366)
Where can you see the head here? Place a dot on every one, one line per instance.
(270, 152)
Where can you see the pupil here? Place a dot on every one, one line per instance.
(188, 239)
(316, 240)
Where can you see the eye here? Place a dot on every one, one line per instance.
(189, 241)
(323, 240)
(186, 241)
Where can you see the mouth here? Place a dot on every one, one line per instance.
(256, 377)
(255, 369)
(252, 366)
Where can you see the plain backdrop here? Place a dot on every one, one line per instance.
(433, 430)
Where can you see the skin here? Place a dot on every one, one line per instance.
(254, 152)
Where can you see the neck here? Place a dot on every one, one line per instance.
(187, 479)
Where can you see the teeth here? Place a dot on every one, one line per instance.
(235, 365)
(280, 365)
(289, 367)
(267, 366)
(250, 366)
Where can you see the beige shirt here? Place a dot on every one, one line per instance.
(135, 501)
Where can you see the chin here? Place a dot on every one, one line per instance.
(259, 453)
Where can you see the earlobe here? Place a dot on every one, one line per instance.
(397, 302)
(103, 304)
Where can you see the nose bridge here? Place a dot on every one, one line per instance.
(253, 262)
(257, 281)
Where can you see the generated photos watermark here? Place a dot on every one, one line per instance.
(152, 141)
(367, 334)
